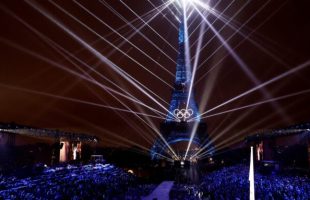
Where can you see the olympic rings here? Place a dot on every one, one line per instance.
(183, 113)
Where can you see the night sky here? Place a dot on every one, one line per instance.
(29, 77)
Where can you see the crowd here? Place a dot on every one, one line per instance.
(185, 191)
(98, 181)
(232, 183)
(105, 181)
(282, 187)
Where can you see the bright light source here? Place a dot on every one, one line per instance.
(204, 5)
(187, 1)
(184, 2)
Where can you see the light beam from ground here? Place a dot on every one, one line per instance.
(96, 53)
(114, 31)
(264, 84)
(244, 67)
(226, 142)
(137, 30)
(169, 2)
(259, 103)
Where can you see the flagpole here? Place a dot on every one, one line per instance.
(251, 177)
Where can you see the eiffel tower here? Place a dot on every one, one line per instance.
(183, 117)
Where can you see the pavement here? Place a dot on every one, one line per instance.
(161, 192)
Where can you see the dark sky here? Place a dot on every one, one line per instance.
(27, 66)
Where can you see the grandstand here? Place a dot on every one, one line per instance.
(289, 146)
(60, 146)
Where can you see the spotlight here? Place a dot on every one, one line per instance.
(192, 2)
(184, 2)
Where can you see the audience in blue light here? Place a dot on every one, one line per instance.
(232, 183)
(100, 181)
(105, 181)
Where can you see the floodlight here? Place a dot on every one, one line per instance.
(184, 2)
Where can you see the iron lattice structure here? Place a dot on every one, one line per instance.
(183, 117)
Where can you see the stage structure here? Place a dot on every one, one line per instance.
(289, 145)
(183, 117)
(66, 145)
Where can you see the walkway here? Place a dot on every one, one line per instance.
(161, 192)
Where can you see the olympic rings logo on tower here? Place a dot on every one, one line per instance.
(183, 113)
